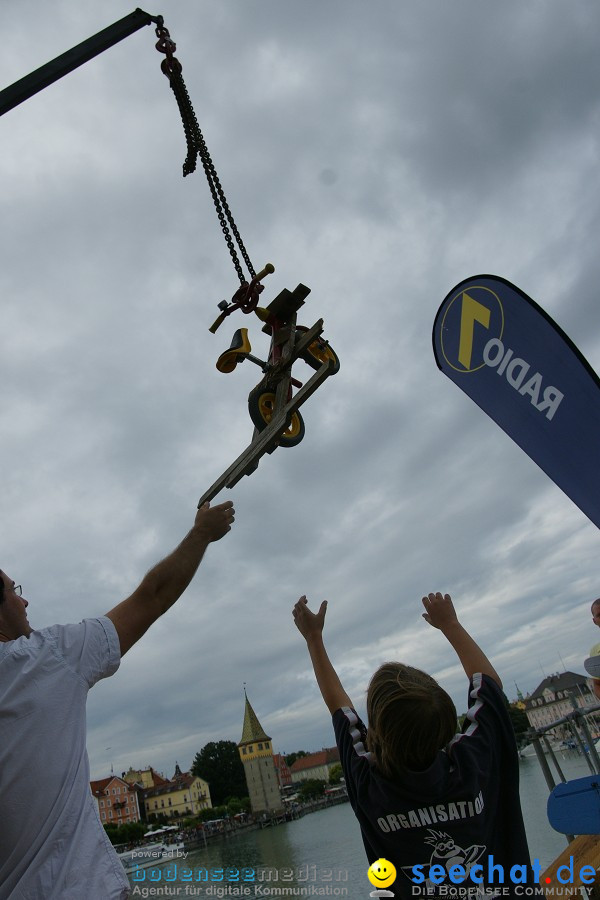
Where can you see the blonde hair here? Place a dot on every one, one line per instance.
(410, 718)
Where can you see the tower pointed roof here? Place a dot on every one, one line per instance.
(519, 694)
(252, 730)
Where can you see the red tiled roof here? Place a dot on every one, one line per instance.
(177, 784)
(323, 757)
(158, 779)
(98, 787)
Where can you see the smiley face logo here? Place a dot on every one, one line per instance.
(382, 873)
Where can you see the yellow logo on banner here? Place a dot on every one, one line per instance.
(476, 316)
(470, 339)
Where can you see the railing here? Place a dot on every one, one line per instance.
(576, 724)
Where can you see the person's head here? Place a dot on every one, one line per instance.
(596, 612)
(13, 616)
(410, 718)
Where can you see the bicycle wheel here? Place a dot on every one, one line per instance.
(261, 404)
(317, 352)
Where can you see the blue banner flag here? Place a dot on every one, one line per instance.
(517, 364)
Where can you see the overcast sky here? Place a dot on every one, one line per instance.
(378, 153)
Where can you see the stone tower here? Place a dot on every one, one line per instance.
(256, 753)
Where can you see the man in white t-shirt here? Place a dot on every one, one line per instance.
(52, 844)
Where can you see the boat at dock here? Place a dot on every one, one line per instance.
(152, 853)
(528, 751)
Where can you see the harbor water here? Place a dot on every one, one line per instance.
(322, 852)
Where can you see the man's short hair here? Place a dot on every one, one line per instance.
(410, 719)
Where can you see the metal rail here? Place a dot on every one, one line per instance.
(577, 725)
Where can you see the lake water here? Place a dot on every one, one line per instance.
(323, 850)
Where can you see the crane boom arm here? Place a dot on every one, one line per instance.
(49, 73)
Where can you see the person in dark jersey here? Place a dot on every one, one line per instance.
(443, 807)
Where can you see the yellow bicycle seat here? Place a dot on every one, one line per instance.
(237, 352)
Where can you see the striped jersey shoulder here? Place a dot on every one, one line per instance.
(356, 734)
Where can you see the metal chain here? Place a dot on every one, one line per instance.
(196, 146)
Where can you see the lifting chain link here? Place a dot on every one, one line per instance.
(196, 146)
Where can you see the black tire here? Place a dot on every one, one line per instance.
(318, 352)
(260, 407)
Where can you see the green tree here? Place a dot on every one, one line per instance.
(312, 787)
(158, 819)
(220, 765)
(111, 831)
(123, 834)
(219, 812)
(336, 773)
(206, 814)
(292, 757)
(520, 723)
(234, 806)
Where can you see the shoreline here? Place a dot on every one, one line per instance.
(203, 839)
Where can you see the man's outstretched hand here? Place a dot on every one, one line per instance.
(214, 522)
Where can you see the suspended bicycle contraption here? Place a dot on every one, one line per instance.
(272, 403)
(273, 407)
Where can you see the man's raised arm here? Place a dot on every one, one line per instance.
(167, 581)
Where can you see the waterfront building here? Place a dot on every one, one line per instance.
(147, 778)
(117, 801)
(284, 775)
(256, 752)
(555, 697)
(143, 780)
(184, 795)
(315, 765)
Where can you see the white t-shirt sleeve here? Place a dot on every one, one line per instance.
(91, 648)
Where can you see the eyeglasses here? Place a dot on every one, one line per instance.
(18, 590)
